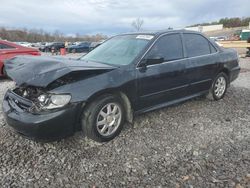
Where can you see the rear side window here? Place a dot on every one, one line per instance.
(196, 45)
(168, 47)
(5, 46)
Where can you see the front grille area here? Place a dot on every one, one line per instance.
(30, 93)
(17, 102)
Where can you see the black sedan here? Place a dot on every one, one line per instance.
(52, 47)
(79, 48)
(127, 75)
(93, 45)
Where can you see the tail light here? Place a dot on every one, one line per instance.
(35, 53)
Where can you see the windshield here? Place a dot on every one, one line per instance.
(120, 50)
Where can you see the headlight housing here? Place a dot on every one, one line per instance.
(52, 101)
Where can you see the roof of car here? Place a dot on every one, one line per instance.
(160, 32)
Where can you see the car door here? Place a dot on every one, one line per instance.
(202, 62)
(166, 81)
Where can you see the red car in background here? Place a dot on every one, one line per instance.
(9, 50)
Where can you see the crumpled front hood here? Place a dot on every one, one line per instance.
(41, 71)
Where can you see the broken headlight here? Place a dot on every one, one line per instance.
(53, 101)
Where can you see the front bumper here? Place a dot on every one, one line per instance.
(49, 126)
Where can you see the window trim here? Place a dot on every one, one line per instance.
(211, 45)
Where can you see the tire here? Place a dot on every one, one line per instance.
(73, 51)
(216, 93)
(94, 115)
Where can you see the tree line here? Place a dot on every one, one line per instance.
(34, 35)
(228, 22)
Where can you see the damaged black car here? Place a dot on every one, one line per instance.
(127, 75)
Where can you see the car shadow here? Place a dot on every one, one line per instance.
(3, 79)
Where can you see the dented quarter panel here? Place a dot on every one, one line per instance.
(228, 58)
(229, 62)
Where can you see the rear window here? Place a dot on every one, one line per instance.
(196, 45)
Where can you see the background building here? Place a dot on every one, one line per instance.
(206, 28)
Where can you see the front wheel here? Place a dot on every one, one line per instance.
(219, 87)
(103, 119)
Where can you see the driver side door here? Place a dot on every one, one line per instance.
(163, 82)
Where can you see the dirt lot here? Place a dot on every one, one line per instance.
(199, 143)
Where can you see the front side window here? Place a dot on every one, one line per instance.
(168, 47)
(120, 50)
(196, 45)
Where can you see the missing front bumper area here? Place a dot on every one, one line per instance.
(52, 125)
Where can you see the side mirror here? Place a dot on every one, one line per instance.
(151, 61)
(156, 60)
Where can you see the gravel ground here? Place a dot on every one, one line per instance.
(199, 143)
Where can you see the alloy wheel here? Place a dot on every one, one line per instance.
(108, 119)
(220, 86)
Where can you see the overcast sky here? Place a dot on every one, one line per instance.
(114, 16)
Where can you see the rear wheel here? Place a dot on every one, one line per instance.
(103, 119)
(219, 87)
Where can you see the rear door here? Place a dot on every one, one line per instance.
(161, 83)
(202, 62)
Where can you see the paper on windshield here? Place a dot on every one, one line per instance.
(145, 37)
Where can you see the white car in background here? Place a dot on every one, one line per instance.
(25, 44)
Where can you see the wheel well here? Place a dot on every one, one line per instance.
(226, 71)
(2, 69)
(127, 106)
(124, 99)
